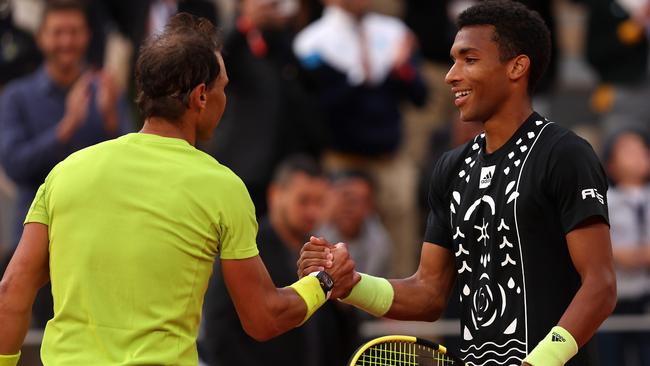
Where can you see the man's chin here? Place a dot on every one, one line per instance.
(66, 63)
(465, 117)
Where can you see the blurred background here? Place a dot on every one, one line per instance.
(362, 111)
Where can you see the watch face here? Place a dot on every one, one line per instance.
(326, 281)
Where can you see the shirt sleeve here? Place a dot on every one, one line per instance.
(576, 182)
(38, 210)
(239, 225)
(438, 229)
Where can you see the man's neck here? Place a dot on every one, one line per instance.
(503, 125)
(350, 235)
(162, 127)
(63, 76)
(289, 238)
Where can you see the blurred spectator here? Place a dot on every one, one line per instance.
(18, 52)
(18, 56)
(120, 26)
(627, 159)
(545, 10)
(361, 63)
(617, 48)
(296, 202)
(136, 20)
(60, 108)
(269, 115)
(161, 10)
(354, 221)
(106, 16)
(432, 25)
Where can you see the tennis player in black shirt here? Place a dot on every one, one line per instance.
(518, 216)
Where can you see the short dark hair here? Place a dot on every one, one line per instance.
(517, 30)
(294, 164)
(345, 175)
(53, 6)
(172, 63)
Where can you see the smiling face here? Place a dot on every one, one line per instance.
(63, 38)
(479, 78)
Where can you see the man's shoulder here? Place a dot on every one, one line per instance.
(21, 85)
(90, 154)
(218, 180)
(561, 142)
(80, 161)
(217, 170)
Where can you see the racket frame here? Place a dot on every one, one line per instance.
(402, 338)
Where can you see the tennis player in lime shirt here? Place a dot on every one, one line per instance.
(127, 230)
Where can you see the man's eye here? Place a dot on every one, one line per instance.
(470, 60)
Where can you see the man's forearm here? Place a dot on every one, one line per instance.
(287, 311)
(14, 323)
(27, 272)
(592, 304)
(424, 295)
(281, 310)
(415, 300)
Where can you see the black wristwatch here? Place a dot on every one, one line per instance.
(326, 282)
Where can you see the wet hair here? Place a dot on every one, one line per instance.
(54, 6)
(295, 164)
(517, 30)
(174, 62)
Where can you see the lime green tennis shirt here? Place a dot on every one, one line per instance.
(134, 226)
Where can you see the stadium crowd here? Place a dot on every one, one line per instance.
(337, 111)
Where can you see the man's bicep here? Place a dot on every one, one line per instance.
(590, 247)
(437, 267)
(29, 267)
(424, 295)
(577, 183)
(247, 281)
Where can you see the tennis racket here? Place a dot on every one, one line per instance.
(401, 350)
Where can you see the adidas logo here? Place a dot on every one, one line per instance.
(486, 176)
(487, 179)
(557, 338)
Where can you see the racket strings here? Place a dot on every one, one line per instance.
(402, 354)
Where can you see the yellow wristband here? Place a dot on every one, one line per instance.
(554, 350)
(310, 291)
(373, 295)
(9, 360)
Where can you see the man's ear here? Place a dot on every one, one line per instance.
(198, 98)
(519, 67)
